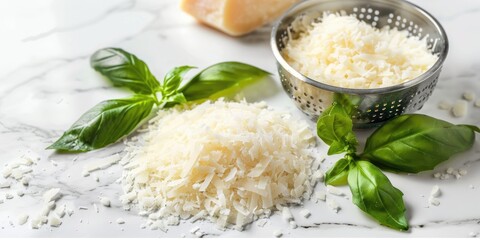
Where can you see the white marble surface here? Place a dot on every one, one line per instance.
(46, 83)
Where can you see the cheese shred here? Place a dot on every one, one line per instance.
(345, 52)
(228, 162)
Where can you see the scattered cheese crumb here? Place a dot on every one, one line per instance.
(332, 204)
(120, 221)
(449, 173)
(82, 208)
(277, 233)
(54, 221)
(287, 214)
(35, 223)
(444, 105)
(305, 213)
(459, 109)
(105, 201)
(477, 103)
(95, 207)
(20, 193)
(8, 196)
(101, 164)
(434, 201)
(320, 195)
(335, 191)
(293, 224)
(5, 185)
(469, 96)
(70, 212)
(22, 219)
(61, 211)
(194, 230)
(262, 222)
(435, 191)
(473, 234)
(318, 176)
(346, 52)
(51, 195)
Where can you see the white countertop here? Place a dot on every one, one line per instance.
(46, 83)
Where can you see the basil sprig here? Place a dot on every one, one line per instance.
(111, 120)
(409, 143)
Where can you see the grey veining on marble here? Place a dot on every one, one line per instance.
(46, 83)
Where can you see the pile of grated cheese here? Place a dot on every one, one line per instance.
(345, 52)
(229, 162)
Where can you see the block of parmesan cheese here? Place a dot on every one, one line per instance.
(236, 17)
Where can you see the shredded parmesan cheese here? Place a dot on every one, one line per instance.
(224, 161)
(345, 52)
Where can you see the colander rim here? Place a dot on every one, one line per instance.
(359, 91)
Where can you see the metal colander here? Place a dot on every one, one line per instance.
(371, 107)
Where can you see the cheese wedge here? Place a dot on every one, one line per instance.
(236, 17)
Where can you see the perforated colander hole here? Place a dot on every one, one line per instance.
(369, 17)
(355, 9)
(390, 15)
(377, 12)
(375, 18)
(360, 15)
(362, 10)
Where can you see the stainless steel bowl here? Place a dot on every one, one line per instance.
(371, 107)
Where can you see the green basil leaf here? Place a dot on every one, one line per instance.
(174, 100)
(337, 175)
(413, 143)
(334, 127)
(104, 124)
(220, 77)
(124, 70)
(474, 128)
(375, 195)
(173, 78)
